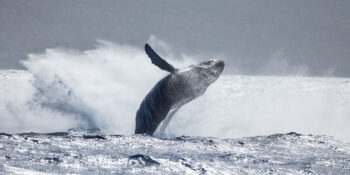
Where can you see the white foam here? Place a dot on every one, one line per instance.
(105, 86)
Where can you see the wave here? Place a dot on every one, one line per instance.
(103, 88)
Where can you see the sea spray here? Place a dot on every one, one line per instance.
(103, 87)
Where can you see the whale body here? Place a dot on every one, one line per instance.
(173, 91)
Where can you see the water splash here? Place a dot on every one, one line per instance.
(104, 87)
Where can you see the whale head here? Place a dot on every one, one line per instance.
(209, 70)
(199, 77)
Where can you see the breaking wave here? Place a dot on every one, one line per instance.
(103, 88)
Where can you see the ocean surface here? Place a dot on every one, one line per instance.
(95, 153)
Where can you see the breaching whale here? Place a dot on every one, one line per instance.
(173, 91)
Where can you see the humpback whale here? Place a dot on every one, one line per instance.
(173, 91)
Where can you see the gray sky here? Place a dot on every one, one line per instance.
(254, 37)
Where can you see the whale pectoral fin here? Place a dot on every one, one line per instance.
(166, 121)
(158, 61)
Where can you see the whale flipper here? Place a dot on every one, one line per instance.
(167, 120)
(158, 61)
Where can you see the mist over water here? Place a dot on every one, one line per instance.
(104, 87)
(237, 106)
